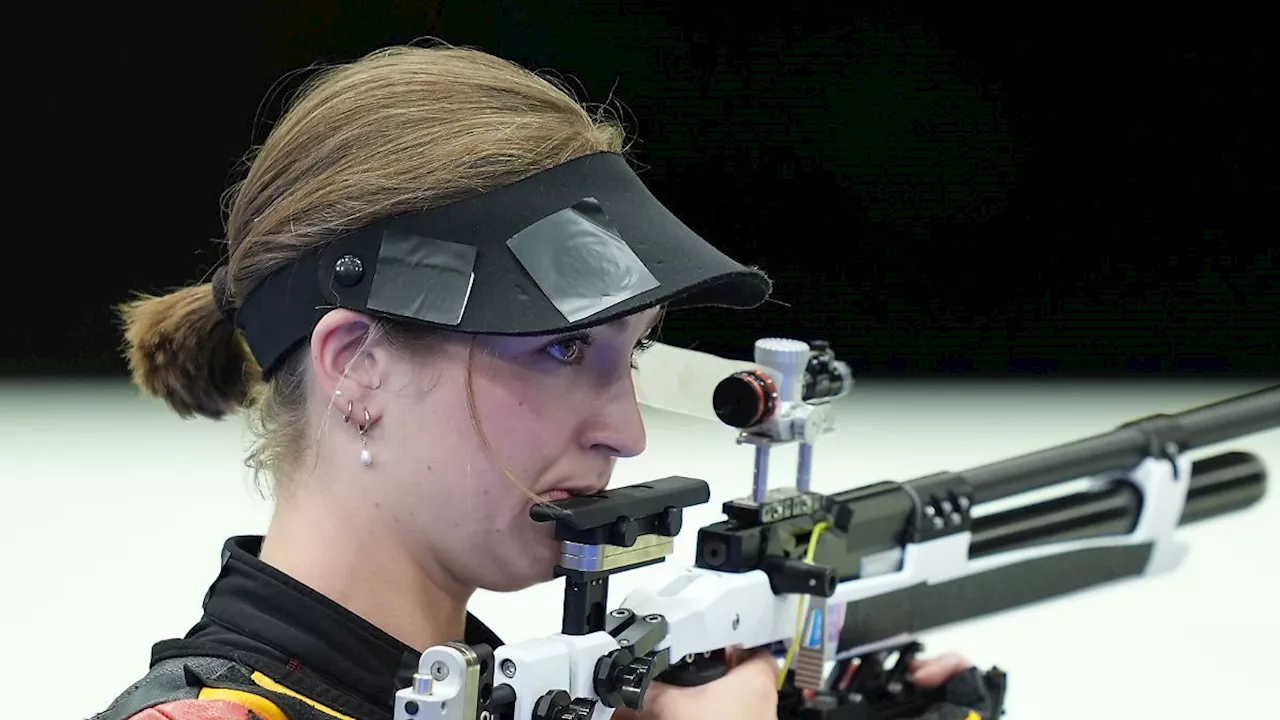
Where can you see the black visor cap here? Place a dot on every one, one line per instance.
(575, 246)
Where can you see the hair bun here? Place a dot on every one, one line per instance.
(182, 349)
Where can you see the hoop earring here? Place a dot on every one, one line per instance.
(346, 417)
(363, 428)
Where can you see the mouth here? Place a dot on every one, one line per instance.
(563, 493)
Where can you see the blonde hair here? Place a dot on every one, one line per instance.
(404, 128)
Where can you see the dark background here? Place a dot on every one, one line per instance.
(933, 192)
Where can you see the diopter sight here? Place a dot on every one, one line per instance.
(784, 400)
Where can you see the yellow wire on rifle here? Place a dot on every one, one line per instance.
(804, 605)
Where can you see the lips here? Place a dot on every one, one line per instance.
(562, 493)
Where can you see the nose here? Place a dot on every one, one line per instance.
(617, 427)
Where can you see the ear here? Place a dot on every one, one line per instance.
(346, 355)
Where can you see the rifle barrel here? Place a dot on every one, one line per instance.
(1126, 446)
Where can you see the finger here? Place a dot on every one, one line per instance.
(734, 656)
(919, 662)
(761, 661)
(935, 672)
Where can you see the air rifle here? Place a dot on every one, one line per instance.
(839, 583)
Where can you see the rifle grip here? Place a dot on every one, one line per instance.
(697, 670)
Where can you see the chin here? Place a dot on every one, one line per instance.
(527, 577)
(534, 564)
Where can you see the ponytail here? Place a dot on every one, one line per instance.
(184, 350)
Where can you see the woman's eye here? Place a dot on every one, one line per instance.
(568, 351)
(638, 350)
(572, 351)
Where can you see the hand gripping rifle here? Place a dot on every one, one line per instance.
(840, 583)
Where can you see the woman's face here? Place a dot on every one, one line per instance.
(555, 413)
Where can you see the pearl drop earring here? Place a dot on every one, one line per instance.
(365, 458)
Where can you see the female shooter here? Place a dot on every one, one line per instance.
(439, 268)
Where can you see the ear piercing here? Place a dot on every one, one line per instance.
(366, 459)
(363, 428)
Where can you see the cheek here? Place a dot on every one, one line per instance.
(519, 401)
(529, 416)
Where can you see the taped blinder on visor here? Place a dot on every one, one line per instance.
(574, 246)
(580, 262)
